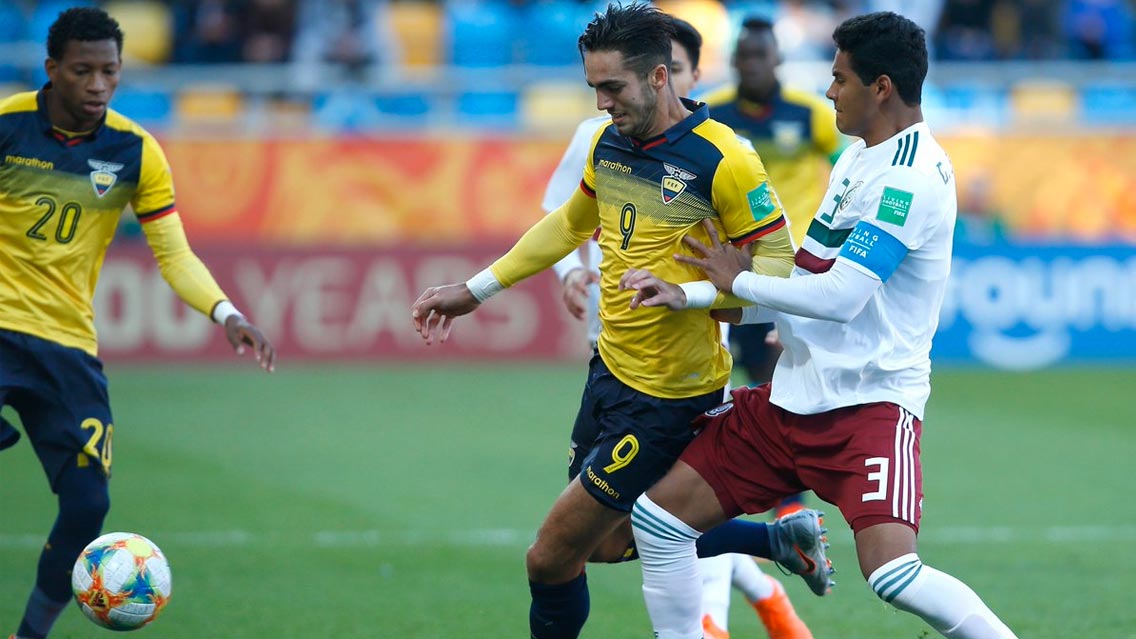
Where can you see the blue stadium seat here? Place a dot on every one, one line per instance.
(481, 32)
(12, 22)
(497, 108)
(404, 105)
(1108, 105)
(551, 29)
(147, 107)
(346, 110)
(11, 30)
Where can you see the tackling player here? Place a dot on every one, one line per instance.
(70, 167)
(843, 415)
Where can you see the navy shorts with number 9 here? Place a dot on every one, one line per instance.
(624, 440)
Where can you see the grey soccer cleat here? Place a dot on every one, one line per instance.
(799, 544)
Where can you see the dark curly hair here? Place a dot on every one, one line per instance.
(85, 24)
(640, 32)
(885, 43)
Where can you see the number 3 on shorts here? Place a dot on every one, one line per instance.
(91, 448)
(623, 453)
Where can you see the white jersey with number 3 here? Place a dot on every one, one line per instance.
(890, 213)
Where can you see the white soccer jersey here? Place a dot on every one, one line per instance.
(889, 213)
(564, 181)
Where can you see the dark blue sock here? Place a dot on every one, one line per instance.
(736, 535)
(83, 504)
(559, 612)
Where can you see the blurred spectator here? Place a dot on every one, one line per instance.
(208, 31)
(349, 34)
(269, 26)
(1098, 29)
(964, 31)
(1038, 30)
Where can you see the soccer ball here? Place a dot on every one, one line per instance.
(121, 581)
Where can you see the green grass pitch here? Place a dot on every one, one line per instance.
(398, 500)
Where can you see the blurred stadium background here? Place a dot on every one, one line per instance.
(335, 157)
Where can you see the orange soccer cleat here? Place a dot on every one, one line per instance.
(710, 630)
(778, 616)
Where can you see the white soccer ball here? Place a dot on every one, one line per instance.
(121, 581)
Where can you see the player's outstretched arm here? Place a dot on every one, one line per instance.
(241, 333)
(434, 311)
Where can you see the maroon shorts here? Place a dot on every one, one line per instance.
(864, 459)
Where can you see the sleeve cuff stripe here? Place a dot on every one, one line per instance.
(155, 215)
(590, 192)
(759, 232)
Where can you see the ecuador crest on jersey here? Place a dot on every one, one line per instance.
(104, 175)
(674, 182)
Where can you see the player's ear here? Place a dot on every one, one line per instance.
(659, 77)
(883, 87)
(696, 74)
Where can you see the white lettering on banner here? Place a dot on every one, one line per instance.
(318, 295)
(384, 300)
(133, 304)
(318, 304)
(1048, 298)
(119, 308)
(265, 294)
(321, 303)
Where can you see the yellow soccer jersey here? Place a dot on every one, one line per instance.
(645, 197)
(797, 139)
(61, 198)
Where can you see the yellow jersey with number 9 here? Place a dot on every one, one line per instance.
(61, 197)
(649, 195)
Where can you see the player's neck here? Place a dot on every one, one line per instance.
(890, 124)
(673, 112)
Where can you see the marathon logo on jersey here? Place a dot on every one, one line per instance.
(761, 202)
(674, 183)
(894, 206)
(104, 175)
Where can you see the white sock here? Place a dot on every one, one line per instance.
(946, 603)
(672, 582)
(716, 572)
(749, 579)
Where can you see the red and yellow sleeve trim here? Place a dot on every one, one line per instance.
(158, 214)
(759, 232)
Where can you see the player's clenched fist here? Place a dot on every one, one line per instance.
(434, 312)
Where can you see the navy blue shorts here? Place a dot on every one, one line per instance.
(624, 440)
(61, 396)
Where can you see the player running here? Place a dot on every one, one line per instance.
(70, 167)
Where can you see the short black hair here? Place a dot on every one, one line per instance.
(690, 39)
(884, 43)
(756, 23)
(85, 24)
(640, 32)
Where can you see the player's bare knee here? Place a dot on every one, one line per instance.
(548, 563)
